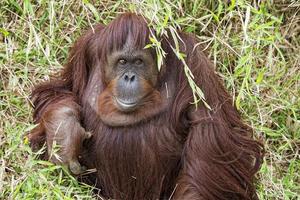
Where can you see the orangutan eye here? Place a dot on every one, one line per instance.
(122, 61)
(138, 62)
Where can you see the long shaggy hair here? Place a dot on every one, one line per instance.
(181, 152)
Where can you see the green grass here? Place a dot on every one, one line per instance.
(255, 48)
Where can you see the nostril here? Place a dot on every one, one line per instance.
(126, 78)
(132, 78)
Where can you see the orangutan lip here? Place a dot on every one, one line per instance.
(125, 105)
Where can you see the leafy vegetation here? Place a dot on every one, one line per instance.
(255, 46)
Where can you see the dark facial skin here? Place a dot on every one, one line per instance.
(131, 94)
(134, 75)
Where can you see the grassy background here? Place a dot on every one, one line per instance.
(255, 46)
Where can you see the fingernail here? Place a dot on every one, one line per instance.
(75, 167)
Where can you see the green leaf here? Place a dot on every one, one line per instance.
(260, 77)
(4, 32)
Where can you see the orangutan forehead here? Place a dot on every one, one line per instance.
(131, 52)
(129, 44)
(130, 47)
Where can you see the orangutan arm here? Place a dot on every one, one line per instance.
(59, 127)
